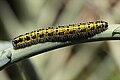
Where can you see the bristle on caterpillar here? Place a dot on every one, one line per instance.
(60, 34)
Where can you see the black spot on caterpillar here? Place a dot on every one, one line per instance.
(60, 34)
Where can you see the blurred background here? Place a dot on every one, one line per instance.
(87, 61)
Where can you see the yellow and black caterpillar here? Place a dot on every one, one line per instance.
(60, 33)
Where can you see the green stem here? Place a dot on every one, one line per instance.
(10, 56)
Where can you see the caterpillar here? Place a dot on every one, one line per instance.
(60, 33)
